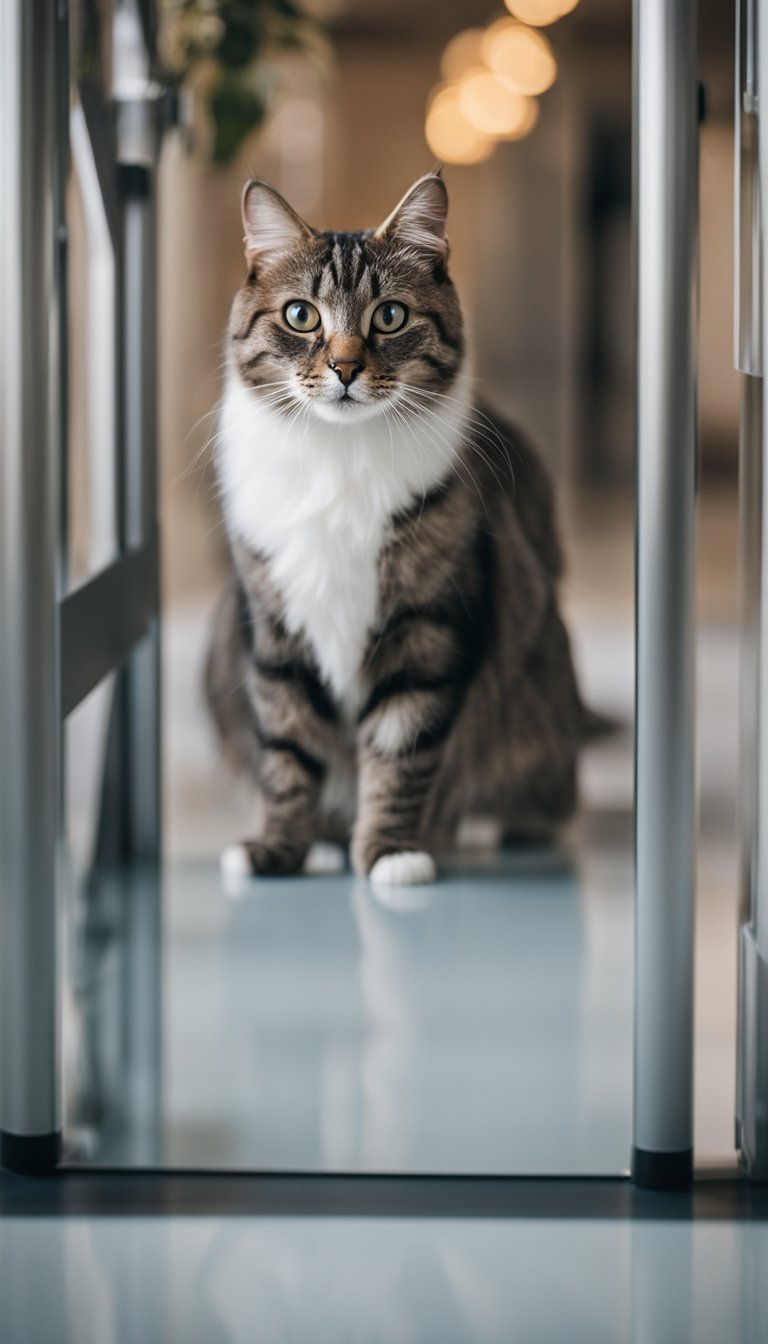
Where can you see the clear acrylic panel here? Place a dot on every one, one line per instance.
(483, 1024)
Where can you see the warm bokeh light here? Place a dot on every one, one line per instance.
(528, 122)
(490, 105)
(520, 56)
(491, 77)
(540, 12)
(463, 51)
(449, 135)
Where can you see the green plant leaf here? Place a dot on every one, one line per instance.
(235, 111)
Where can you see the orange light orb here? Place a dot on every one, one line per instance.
(461, 52)
(539, 13)
(448, 133)
(489, 105)
(519, 56)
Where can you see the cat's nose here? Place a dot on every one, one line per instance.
(346, 370)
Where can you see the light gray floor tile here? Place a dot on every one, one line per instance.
(291, 1281)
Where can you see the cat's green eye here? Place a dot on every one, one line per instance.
(389, 317)
(302, 316)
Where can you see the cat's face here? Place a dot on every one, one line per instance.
(349, 325)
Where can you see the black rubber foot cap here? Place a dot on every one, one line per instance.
(662, 1171)
(30, 1155)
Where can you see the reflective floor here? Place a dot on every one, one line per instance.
(480, 1025)
(287, 1281)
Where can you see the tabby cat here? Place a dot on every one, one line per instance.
(388, 656)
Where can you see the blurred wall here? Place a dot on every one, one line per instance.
(540, 238)
(509, 224)
(718, 380)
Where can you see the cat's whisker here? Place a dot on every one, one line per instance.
(474, 414)
(458, 401)
(468, 442)
(471, 442)
(388, 419)
(187, 471)
(454, 460)
(451, 459)
(408, 442)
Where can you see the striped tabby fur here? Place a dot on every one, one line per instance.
(389, 655)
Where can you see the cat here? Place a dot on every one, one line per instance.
(388, 656)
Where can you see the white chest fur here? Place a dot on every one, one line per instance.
(316, 499)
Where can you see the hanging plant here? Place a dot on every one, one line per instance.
(225, 52)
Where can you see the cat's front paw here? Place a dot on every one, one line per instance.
(408, 868)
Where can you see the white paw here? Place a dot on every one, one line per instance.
(407, 869)
(324, 858)
(234, 862)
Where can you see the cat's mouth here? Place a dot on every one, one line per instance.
(347, 406)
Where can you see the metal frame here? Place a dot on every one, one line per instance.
(666, 200)
(55, 650)
(30, 201)
(113, 620)
(750, 342)
(149, 1193)
(103, 621)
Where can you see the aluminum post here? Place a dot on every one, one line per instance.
(30, 231)
(752, 1071)
(665, 211)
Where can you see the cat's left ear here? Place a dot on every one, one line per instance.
(420, 220)
(270, 224)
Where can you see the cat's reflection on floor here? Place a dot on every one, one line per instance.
(471, 1001)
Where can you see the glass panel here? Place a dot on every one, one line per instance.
(92, 445)
(482, 1024)
(85, 1001)
(90, 469)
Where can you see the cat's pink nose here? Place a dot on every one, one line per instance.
(346, 370)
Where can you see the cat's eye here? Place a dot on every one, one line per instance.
(302, 316)
(389, 317)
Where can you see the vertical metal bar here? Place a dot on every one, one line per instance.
(760, 897)
(140, 399)
(62, 173)
(748, 348)
(30, 188)
(130, 828)
(750, 540)
(140, 108)
(747, 333)
(665, 93)
(142, 675)
(752, 1071)
(748, 1083)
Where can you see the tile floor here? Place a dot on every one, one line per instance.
(291, 1281)
(484, 1024)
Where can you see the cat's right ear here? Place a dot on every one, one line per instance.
(419, 219)
(270, 226)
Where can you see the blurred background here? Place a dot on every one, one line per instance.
(341, 106)
(540, 232)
